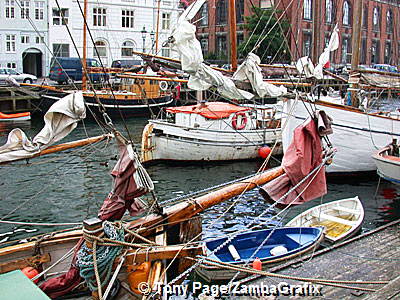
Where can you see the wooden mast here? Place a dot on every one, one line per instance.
(316, 30)
(84, 66)
(232, 33)
(356, 46)
(158, 24)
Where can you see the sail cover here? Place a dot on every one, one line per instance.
(210, 110)
(60, 120)
(202, 77)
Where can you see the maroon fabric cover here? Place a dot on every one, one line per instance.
(302, 156)
(124, 192)
(63, 284)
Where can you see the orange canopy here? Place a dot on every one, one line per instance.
(210, 110)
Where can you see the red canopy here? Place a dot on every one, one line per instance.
(210, 110)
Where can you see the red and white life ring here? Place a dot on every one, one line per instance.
(243, 121)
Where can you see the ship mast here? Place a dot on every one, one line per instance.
(84, 74)
(232, 33)
(356, 46)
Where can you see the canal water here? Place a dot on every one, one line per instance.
(70, 186)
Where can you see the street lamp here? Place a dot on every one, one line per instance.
(143, 31)
(152, 34)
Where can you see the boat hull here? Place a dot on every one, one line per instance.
(388, 166)
(356, 135)
(25, 116)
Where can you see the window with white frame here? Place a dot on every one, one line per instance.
(389, 21)
(25, 39)
(10, 9)
(60, 16)
(166, 21)
(346, 13)
(39, 10)
(128, 18)
(204, 15)
(61, 50)
(127, 48)
(328, 11)
(376, 18)
(204, 45)
(12, 65)
(307, 13)
(101, 49)
(24, 9)
(39, 39)
(99, 16)
(10, 43)
(166, 52)
(345, 50)
(307, 44)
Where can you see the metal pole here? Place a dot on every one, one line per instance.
(84, 65)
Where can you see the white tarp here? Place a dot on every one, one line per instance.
(60, 120)
(188, 47)
(250, 70)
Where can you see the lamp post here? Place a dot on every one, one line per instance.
(143, 31)
(152, 34)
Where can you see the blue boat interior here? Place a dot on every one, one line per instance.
(294, 239)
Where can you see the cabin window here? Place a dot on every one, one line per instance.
(24, 9)
(307, 44)
(204, 45)
(39, 10)
(127, 48)
(61, 50)
(329, 11)
(128, 18)
(166, 21)
(60, 17)
(388, 53)
(101, 49)
(221, 15)
(376, 19)
(10, 9)
(99, 16)
(239, 11)
(10, 43)
(307, 10)
(365, 17)
(346, 13)
(204, 15)
(375, 52)
(389, 21)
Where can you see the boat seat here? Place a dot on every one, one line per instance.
(348, 210)
(334, 219)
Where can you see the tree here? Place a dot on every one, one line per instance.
(262, 25)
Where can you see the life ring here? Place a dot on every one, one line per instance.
(243, 121)
(163, 85)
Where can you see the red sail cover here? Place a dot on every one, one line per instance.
(210, 110)
(125, 190)
(302, 156)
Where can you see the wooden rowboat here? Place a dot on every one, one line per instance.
(282, 244)
(24, 116)
(388, 164)
(342, 218)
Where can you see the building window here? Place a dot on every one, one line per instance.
(389, 21)
(166, 21)
(307, 44)
(25, 39)
(24, 9)
(204, 15)
(221, 45)
(221, 14)
(99, 16)
(204, 45)
(166, 52)
(346, 13)
(345, 51)
(39, 10)
(60, 17)
(101, 49)
(128, 18)
(12, 65)
(307, 10)
(127, 48)
(363, 58)
(328, 11)
(376, 19)
(39, 40)
(375, 52)
(239, 38)
(10, 9)
(10, 43)
(61, 50)
(239, 11)
(388, 53)
(365, 17)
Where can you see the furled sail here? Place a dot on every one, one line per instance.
(60, 120)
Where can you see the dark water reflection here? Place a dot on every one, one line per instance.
(70, 186)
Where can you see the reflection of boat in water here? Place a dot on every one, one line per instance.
(387, 161)
(24, 116)
(213, 131)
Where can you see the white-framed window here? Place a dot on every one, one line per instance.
(101, 47)
(99, 16)
(10, 43)
(128, 17)
(376, 18)
(166, 52)
(329, 11)
(12, 65)
(166, 21)
(61, 50)
(24, 9)
(39, 39)
(345, 50)
(25, 39)
(204, 45)
(60, 16)
(204, 15)
(307, 9)
(39, 10)
(127, 49)
(389, 21)
(10, 9)
(346, 13)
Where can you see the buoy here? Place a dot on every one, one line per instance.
(257, 264)
(30, 272)
(264, 151)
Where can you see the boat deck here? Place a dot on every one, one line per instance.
(373, 256)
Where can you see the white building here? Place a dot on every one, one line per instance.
(22, 45)
(117, 27)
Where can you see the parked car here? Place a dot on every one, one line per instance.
(127, 63)
(20, 77)
(385, 68)
(69, 69)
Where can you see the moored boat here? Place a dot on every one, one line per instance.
(341, 219)
(277, 245)
(24, 116)
(387, 161)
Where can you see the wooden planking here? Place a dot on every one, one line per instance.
(25, 262)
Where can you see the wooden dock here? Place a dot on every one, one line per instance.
(16, 99)
(372, 256)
